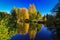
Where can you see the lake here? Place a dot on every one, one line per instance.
(44, 34)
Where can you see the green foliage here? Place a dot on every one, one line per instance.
(14, 13)
(39, 27)
(3, 15)
(57, 23)
(5, 27)
(3, 33)
(50, 20)
(58, 14)
(38, 15)
(13, 18)
(32, 25)
(32, 16)
(8, 23)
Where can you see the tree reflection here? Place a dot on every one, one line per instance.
(23, 28)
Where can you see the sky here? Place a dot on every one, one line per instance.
(44, 6)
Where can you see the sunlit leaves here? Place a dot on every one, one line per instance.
(25, 20)
(23, 14)
(34, 16)
(32, 9)
(32, 12)
(21, 17)
(5, 31)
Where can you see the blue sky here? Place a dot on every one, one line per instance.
(44, 6)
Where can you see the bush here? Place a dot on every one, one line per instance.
(6, 30)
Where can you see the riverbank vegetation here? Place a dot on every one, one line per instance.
(14, 22)
(22, 21)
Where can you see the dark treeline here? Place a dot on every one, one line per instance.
(53, 24)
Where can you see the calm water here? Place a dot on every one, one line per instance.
(44, 34)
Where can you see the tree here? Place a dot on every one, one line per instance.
(3, 15)
(22, 14)
(58, 14)
(38, 17)
(14, 17)
(32, 12)
(21, 17)
(5, 34)
(57, 23)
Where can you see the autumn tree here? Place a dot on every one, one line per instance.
(22, 14)
(32, 12)
(21, 17)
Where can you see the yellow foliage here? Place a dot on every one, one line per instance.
(32, 33)
(23, 29)
(23, 13)
(21, 16)
(32, 9)
(26, 27)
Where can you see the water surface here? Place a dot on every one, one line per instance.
(44, 34)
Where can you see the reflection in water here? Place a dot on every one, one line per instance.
(22, 15)
(44, 34)
(52, 28)
(30, 28)
(23, 28)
